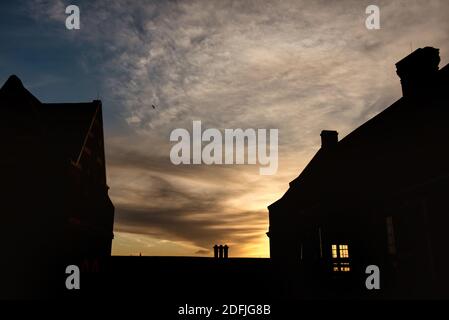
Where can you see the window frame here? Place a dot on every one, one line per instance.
(340, 257)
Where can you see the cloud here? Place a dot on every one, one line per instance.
(299, 66)
(186, 204)
(202, 252)
(53, 10)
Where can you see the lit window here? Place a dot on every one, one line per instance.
(341, 253)
(344, 266)
(334, 251)
(341, 266)
(344, 252)
(340, 256)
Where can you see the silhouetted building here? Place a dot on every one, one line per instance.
(55, 203)
(377, 197)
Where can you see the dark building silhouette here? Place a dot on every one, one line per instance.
(54, 198)
(377, 197)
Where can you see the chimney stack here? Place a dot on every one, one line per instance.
(417, 71)
(225, 251)
(329, 139)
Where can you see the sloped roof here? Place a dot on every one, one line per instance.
(399, 147)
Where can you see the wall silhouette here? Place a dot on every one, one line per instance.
(55, 204)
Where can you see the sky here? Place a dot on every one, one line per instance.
(296, 66)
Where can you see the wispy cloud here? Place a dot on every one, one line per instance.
(299, 66)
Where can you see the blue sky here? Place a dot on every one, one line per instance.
(46, 60)
(296, 66)
(53, 64)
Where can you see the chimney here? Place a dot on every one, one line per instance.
(417, 71)
(329, 139)
(225, 251)
(216, 251)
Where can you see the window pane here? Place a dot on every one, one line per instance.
(344, 251)
(334, 251)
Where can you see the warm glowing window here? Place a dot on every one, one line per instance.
(344, 252)
(334, 251)
(340, 256)
(344, 266)
(341, 253)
